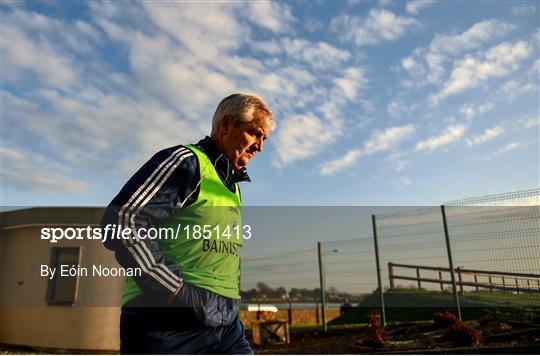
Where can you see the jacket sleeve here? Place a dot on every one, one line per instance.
(164, 185)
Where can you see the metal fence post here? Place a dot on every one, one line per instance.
(377, 262)
(450, 262)
(391, 274)
(323, 294)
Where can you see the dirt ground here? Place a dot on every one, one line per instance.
(419, 338)
(415, 338)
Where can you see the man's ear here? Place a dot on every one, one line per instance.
(225, 124)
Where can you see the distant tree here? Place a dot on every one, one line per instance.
(295, 293)
(281, 291)
(250, 294)
(265, 289)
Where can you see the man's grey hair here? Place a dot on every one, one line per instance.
(242, 108)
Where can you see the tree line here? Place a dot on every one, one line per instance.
(264, 292)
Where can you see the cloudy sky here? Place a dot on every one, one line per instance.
(377, 102)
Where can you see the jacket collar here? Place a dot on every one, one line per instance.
(222, 164)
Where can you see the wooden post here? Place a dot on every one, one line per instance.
(317, 313)
(391, 274)
(258, 308)
(440, 279)
(490, 284)
(476, 281)
(290, 310)
(418, 276)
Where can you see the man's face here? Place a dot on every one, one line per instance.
(242, 141)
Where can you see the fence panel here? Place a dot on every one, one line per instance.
(278, 276)
(287, 281)
(496, 246)
(414, 264)
(350, 275)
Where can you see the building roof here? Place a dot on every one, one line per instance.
(41, 216)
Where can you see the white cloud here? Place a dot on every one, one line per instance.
(536, 66)
(524, 124)
(486, 136)
(398, 160)
(470, 111)
(379, 26)
(379, 141)
(387, 139)
(469, 72)
(302, 136)
(397, 109)
(473, 38)
(200, 27)
(408, 63)
(273, 16)
(271, 47)
(78, 36)
(401, 182)
(352, 81)
(514, 87)
(428, 64)
(506, 148)
(394, 109)
(47, 181)
(509, 147)
(35, 173)
(449, 135)
(11, 157)
(320, 55)
(485, 108)
(333, 166)
(93, 131)
(312, 24)
(414, 6)
(177, 62)
(524, 9)
(31, 59)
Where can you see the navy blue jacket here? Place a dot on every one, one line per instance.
(161, 188)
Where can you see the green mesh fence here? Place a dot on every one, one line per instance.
(279, 277)
(349, 269)
(495, 245)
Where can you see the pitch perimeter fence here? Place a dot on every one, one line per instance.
(472, 257)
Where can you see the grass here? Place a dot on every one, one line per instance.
(421, 297)
(410, 305)
(301, 328)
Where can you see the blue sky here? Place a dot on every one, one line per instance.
(377, 102)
